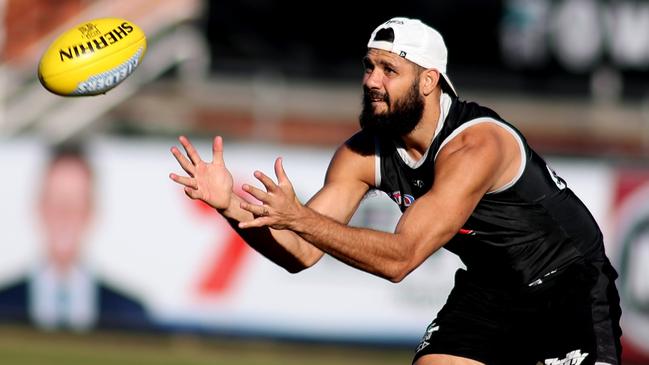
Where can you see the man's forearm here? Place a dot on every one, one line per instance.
(284, 248)
(376, 252)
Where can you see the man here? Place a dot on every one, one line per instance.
(62, 291)
(538, 287)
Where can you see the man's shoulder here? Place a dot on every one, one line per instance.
(467, 110)
(362, 143)
(14, 301)
(354, 160)
(15, 290)
(119, 309)
(111, 296)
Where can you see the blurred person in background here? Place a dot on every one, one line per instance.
(538, 286)
(62, 291)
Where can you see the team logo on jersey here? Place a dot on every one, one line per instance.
(561, 183)
(433, 327)
(572, 358)
(405, 199)
(418, 183)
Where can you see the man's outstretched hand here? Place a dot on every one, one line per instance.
(210, 182)
(279, 206)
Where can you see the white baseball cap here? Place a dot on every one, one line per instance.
(414, 41)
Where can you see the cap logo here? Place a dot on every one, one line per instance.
(402, 53)
(392, 21)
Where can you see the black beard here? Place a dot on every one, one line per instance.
(401, 120)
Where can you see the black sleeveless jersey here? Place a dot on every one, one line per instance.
(521, 234)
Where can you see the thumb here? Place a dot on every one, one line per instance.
(217, 150)
(280, 173)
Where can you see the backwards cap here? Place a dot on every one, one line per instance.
(414, 41)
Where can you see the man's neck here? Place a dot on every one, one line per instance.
(419, 139)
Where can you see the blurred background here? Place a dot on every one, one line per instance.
(105, 260)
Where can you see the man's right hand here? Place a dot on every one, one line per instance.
(210, 182)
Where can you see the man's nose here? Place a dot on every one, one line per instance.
(373, 79)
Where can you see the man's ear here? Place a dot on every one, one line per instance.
(429, 80)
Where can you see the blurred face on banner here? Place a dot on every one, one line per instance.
(392, 102)
(65, 208)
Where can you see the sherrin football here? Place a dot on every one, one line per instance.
(92, 57)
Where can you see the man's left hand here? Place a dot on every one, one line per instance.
(279, 206)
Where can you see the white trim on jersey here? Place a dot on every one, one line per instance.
(509, 129)
(377, 162)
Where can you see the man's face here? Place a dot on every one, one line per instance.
(392, 103)
(65, 208)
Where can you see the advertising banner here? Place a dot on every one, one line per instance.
(138, 253)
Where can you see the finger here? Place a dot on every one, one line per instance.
(255, 192)
(217, 150)
(280, 173)
(192, 193)
(267, 181)
(189, 148)
(255, 209)
(184, 180)
(257, 222)
(183, 161)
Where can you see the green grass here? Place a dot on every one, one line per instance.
(24, 346)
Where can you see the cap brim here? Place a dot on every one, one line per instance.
(448, 82)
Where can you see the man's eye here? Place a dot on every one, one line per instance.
(367, 65)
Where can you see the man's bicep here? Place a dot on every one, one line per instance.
(338, 200)
(347, 181)
(462, 177)
(476, 162)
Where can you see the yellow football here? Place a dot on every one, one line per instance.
(92, 57)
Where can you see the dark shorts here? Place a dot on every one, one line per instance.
(572, 319)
